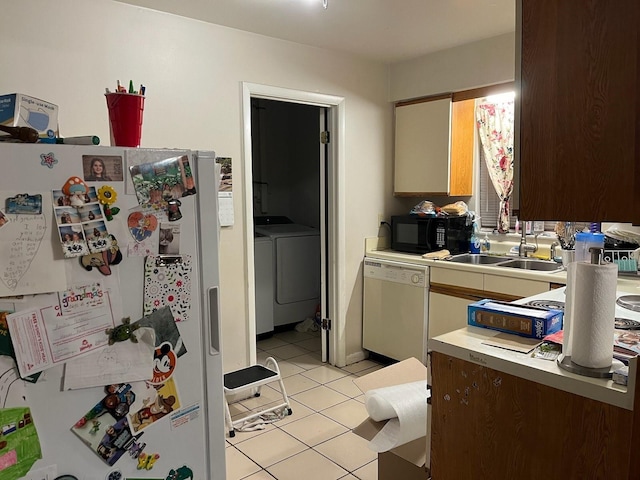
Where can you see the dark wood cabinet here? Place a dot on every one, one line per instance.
(487, 424)
(578, 110)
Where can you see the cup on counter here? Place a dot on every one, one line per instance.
(568, 256)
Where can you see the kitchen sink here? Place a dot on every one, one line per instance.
(532, 264)
(477, 259)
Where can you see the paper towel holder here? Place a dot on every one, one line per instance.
(596, 255)
(564, 361)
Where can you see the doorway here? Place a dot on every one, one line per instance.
(311, 199)
(286, 172)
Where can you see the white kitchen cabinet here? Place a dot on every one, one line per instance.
(446, 313)
(451, 291)
(434, 147)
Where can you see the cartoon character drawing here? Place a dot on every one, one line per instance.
(102, 260)
(154, 411)
(142, 225)
(164, 363)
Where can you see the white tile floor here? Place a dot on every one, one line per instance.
(315, 443)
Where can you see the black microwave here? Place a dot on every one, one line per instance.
(416, 234)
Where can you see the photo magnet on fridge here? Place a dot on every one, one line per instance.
(105, 428)
(25, 204)
(159, 182)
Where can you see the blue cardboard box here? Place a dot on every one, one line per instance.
(512, 318)
(19, 110)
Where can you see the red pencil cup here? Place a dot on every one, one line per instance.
(125, 118)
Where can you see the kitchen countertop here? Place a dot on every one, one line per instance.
(376, 249)
(466, 344)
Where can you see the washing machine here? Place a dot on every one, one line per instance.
(296, 270)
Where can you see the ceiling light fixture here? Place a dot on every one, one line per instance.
(325, 3)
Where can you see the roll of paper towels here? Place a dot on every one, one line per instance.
(405, 408)
(590, 314)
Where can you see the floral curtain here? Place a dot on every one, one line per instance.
(495, 128)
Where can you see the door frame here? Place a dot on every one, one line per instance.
(334, 255)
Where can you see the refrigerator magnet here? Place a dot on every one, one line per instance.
(167, 283)
(48, 160)
(75, 189)
(114, 475)
(173, 210)
(25, 204)
(142, 225)
(147, 460)
(181, 473)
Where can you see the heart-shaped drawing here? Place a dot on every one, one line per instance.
(20, 239)
(142, 225)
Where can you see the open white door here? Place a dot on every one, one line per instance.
(324, 137)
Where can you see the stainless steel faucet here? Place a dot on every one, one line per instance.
(552, 250)
(525, 247)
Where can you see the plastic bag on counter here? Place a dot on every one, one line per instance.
(425, 209)
(457, 208)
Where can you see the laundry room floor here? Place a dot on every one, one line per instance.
(316, 442)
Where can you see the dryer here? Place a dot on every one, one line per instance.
(263, 255)
(296, 271)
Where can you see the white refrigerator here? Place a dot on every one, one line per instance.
(186, 442)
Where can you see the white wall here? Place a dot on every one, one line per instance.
(67, 52)
(473, 65)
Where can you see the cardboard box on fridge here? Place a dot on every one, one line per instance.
(410, 461)
(19, 110)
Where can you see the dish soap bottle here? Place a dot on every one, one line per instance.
(486, 245)
(474, 246)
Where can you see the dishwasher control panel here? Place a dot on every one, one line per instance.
(396, 272)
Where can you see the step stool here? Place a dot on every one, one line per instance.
(254, 376)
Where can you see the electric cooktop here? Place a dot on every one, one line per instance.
(627, 313)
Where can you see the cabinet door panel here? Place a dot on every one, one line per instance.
(457, 278)
(421, 161)
(446, 314)
(577, 110)
(463, 128)
(518, 287)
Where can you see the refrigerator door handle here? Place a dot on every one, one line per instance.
(214, 321)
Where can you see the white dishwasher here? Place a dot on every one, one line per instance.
(395, 309)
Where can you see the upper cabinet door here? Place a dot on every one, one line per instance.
(422, 147)
(433, 147)
(578, 110)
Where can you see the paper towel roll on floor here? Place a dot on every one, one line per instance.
(405, 406)
(590, 314)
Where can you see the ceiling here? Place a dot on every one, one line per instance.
(383, 30)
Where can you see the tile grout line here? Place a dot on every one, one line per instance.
(347, 374)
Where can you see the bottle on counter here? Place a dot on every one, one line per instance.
(486, 245)
(584, 242)
(474, 246)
